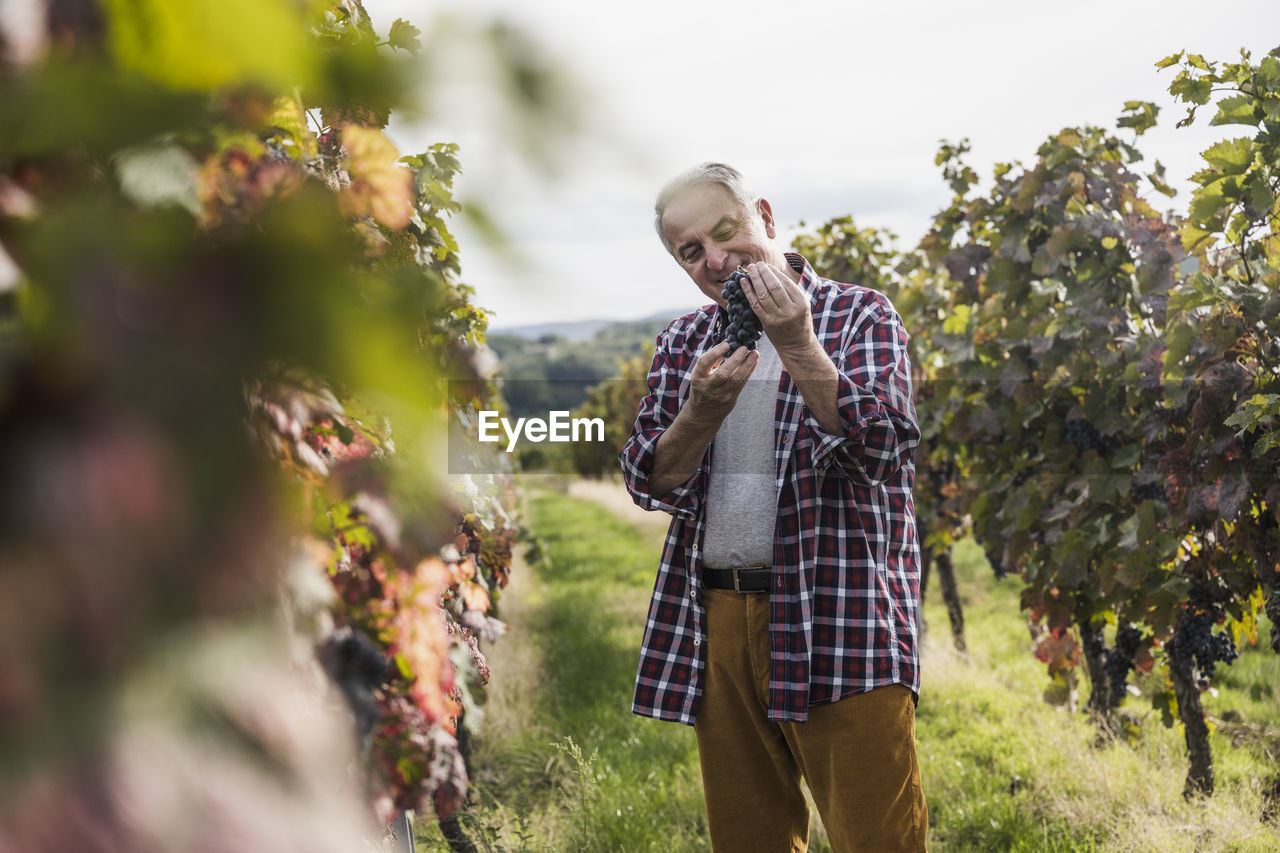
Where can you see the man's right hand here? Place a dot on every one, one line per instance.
(714, 386)
(716, 382)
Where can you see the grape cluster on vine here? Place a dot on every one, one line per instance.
(1118, 661)
(1149, 492)
(1249, 440)
(1195, 649)
(995, 556)
(1200, 600)
(1083, 435)
(744, 326)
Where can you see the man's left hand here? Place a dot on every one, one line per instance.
(781, 305)
(783, 308)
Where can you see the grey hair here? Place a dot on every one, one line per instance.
(703, 173)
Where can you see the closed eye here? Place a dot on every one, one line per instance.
(724, 229)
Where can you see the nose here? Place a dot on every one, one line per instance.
(716, 259)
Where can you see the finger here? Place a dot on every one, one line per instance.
(764, 288)
(777, 286)
(738, 367)
(710, 360)
(742, 372)
(725, 367)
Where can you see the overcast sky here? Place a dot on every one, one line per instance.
(829, 109)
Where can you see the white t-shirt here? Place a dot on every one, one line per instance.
(742, 495)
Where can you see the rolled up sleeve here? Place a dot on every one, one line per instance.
(877, 415)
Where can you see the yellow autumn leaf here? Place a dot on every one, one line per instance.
(380, 187)
(290, 119)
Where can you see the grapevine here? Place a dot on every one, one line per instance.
(1097, 387)
(232, 240)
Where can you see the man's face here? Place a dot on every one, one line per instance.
(711, 235)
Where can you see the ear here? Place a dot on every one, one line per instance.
(766, 214)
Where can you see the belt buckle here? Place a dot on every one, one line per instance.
(737, 577)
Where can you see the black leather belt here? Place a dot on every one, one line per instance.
(745, 579)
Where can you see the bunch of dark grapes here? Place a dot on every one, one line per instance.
(1149, 492)
(1082, 434)
(995, 556)
(744, 327)
(357, 664)
(1119, 660)
(1198, 598)
(1250, 440)
(1195, 648)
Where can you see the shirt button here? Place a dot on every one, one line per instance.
(697, 641)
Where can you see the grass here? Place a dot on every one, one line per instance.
(562, 764)
(1004, 770)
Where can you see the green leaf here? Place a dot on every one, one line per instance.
(1127, 456)
(1167, 704)
(1231, 156)
(1142, 116)
(1238, 109)
(345, 434)
(1132, 573)
(1179, 340)
(1128, 540)
(1207, 203)
(1169, 60)
(1192, 236)
(1146, 515)
(288, 123)
(205, 44)
(1073, 559)
(958, 322)
(1259, 196)
(1157, 180)
(1269, 72)
(404, 36)
(1190, 89)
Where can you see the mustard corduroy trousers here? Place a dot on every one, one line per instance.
(857, 755)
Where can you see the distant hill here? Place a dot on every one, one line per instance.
(585, 330)
(549, 366)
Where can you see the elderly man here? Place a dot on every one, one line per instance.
(783, 625)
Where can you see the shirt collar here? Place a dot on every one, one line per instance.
(808, 278)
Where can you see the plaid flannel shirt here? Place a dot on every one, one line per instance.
(846, 566)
